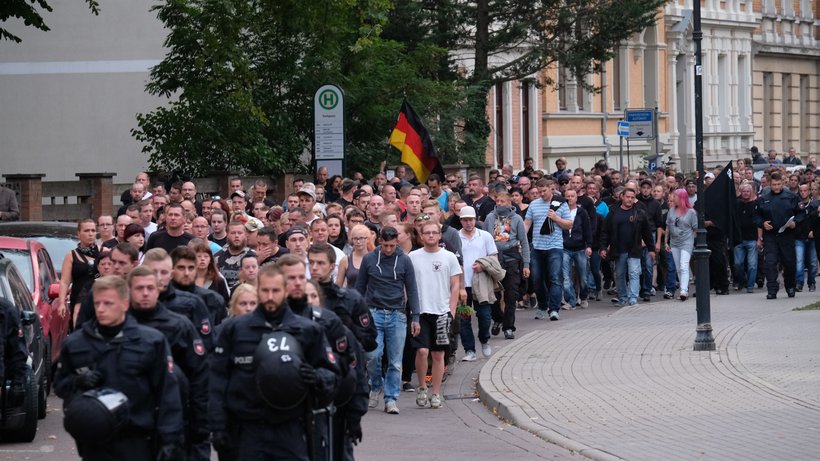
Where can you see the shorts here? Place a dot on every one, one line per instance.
(435, 332)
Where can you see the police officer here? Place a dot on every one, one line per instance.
(188, 352)
(351, 399)
(240, 375)
(349, 305)
(186, 304)
(778, 209)
(13, 355)
(115, 352)
(184, 279)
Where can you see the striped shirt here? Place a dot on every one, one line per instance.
(537, 213)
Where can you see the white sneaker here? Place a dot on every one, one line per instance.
(468, 357)
(375, 396)
(540, 315)
(554, 315)
(435, 401)
(486, 350)
(421, 397)
(584, 304)
(391, 408)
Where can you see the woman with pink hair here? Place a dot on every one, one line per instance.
(681, 224)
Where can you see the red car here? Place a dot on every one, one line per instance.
(34, 264)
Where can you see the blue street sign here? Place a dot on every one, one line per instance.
(641, 123)
(623, 128)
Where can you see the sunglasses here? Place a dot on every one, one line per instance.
(423, 217)
(216, 197)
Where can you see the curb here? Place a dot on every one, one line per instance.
(495, 401)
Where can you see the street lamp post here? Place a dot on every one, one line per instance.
(704, 341)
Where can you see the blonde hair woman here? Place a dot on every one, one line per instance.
(243, 300)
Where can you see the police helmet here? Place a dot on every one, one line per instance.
(96, 415)
(278, 357)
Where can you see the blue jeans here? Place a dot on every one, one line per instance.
(391, 330)
(671, 272)
(647, 268)
(594, 274)
(804, 250)
(582, 266)
(746, 262)
(483, 313)
(546, 274)
(628, 277)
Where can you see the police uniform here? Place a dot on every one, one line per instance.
(213, 301)
(188, 352)
(137, 362)
(778, 247)
(258, 431)
(349, 305)
(193, 308)
(13, 355)
(352, 396)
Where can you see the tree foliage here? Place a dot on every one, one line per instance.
(29, 12)
(241, 74)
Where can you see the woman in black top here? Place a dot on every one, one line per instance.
(79, 270)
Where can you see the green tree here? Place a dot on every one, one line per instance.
(29, 12)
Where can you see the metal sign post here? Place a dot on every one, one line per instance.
(623, 131)
(328, 129)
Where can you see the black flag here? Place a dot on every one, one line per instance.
(720, 205)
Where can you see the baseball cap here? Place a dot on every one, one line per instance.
(238, 193)
(296, 230)
(467, 212)
(709, 175)
(348, 184)
(307, 191)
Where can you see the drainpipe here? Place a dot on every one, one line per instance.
(605, 111)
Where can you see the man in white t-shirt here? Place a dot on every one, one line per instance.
(475, 244)
(438, 273)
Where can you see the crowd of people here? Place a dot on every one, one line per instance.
(245, 318)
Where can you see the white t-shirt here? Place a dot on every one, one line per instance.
(433, 272)
(480, 245)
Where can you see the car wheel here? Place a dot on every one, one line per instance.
(45, 383)
(26, 433)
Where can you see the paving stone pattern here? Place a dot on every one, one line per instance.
(629, 386)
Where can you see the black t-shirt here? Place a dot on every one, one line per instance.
(221, 242)
(624, 229)
(161, 239)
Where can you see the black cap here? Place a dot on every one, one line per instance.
(296, 230)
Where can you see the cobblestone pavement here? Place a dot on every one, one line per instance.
(629, 386)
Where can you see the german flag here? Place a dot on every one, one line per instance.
(417, 150)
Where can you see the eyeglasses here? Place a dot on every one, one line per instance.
(358, 239)
(430, 233)
(423, 217)
(677, 220)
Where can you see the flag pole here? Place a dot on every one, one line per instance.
(704, 341)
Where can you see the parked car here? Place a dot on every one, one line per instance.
(35, 266)
(19, 423)
(58, 237)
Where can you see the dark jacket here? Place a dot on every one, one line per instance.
(233, 392)
(579, 236)
(778, 208)
(191, 307)
(384, 279)
(349, 306)
(642, 231)
(136, 362)
(14, 351)
(189, 357)
(215, 302)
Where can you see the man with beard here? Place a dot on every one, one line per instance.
(248, 421)
(184, 278)
(229, 259)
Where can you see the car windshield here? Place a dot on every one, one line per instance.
(21, 259)
(57, 248)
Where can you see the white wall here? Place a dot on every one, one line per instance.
(69, 96)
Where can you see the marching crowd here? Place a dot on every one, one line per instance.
(267, 328)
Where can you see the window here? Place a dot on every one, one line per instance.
(742, 92)
(562, 87)
(525, 119)
(499, 124)
(786, 110)
(768, 116)
(723, 92)
(804, 113)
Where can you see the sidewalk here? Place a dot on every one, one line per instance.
(628, 385)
